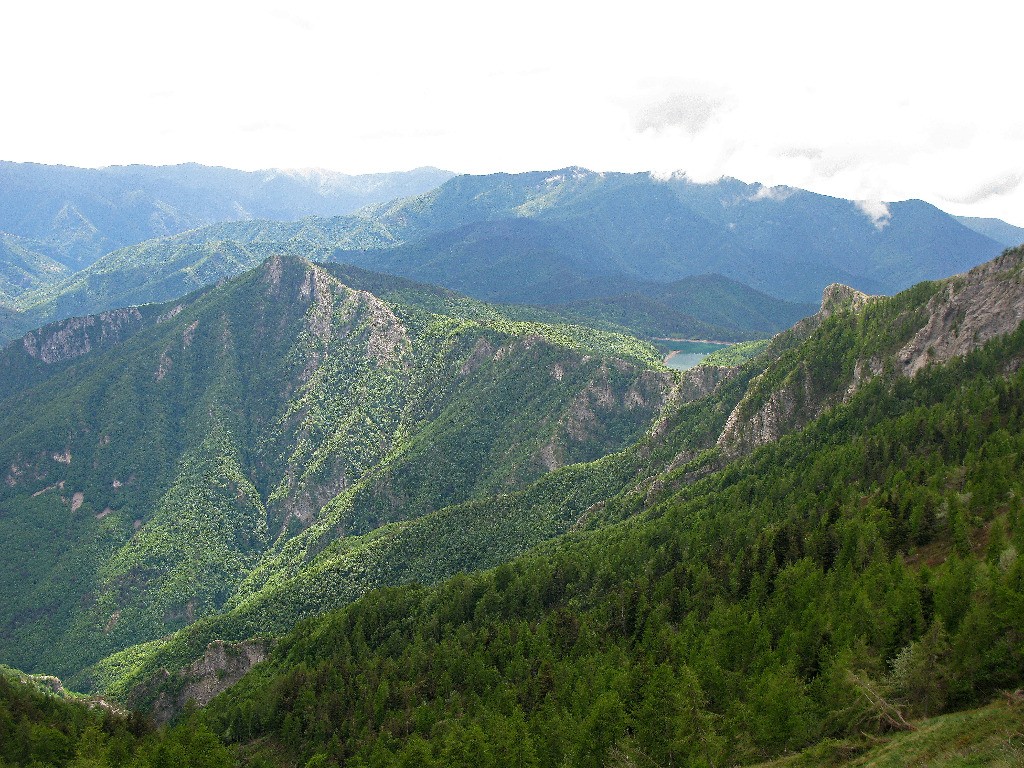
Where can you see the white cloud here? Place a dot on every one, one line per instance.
(1003, 184)
(691, 111)
(877, 211)
(775, 194)
(763, 92)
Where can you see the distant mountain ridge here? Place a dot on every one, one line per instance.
(1007, 234)
(548, 238)
(697, 307)
(75, 215)
(787, 242)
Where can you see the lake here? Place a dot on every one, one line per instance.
(684, 354)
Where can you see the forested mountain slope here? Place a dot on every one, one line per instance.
(849, 571)
(718, 416)
(43, 725)
(25, 266)
(698, 307)
(817, 545)
(158, 458)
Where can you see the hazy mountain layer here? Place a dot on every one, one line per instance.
(581, 224)
(25, 266)
(563, 237)
(557, 237)
(699, 307)
(998, 230)
(75, 215)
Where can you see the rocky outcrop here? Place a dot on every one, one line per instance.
(77, 336)
(388, 340)
(483, 351)
(964, 313)
(585, 419)
(694, 384)
(221, 666)
(763, 417)
(838, 297)
(777, 415)
(968, 311)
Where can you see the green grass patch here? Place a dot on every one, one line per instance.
(988, 736)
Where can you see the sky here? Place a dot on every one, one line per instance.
(869, 101)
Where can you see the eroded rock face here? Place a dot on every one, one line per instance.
(221, 666)
(771, 421)
(703, 380)
(694, 384)
(970, 310)
(78, 336)
(967, 311)
(307, 496)
(837, 297)
(388, 340)
(585, 418)
(793, 404)
(484, 351)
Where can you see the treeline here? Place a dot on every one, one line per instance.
(843, 580)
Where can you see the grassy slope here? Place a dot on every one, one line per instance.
(989, 736)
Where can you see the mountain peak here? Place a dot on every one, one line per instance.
(277, 267)
(838, 296)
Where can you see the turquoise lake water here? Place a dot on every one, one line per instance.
(683, 361)
(686, 354)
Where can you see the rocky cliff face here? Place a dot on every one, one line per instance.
(968, 311)
(220, 667)
(77, 336)
(961, 314)
(746, 431)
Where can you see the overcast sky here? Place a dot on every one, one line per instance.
(867, 100)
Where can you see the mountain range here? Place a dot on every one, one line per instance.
(576, 224)
(307, 512)
(998, 230)
(57, 220)
(555, 238)
(164, 461)
(821, 542)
